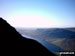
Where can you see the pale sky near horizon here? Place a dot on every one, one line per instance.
(38, 13)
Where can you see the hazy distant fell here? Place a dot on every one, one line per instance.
(58, 36)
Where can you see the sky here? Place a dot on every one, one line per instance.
(38, 13)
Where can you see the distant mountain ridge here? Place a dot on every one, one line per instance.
(59, 36)
(57, 33)
(71, 29)
(48, 33)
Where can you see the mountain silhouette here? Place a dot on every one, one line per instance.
(12, 43)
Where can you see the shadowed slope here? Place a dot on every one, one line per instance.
(12, 43)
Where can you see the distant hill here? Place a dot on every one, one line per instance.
(56, 33)
(71, 29)
(59, 36)
(47, 33)
(68, 44)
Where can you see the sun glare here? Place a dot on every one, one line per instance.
(31, 21)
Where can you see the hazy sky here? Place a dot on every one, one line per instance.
(38, 13)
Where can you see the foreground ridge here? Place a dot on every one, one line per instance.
(12, 43)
